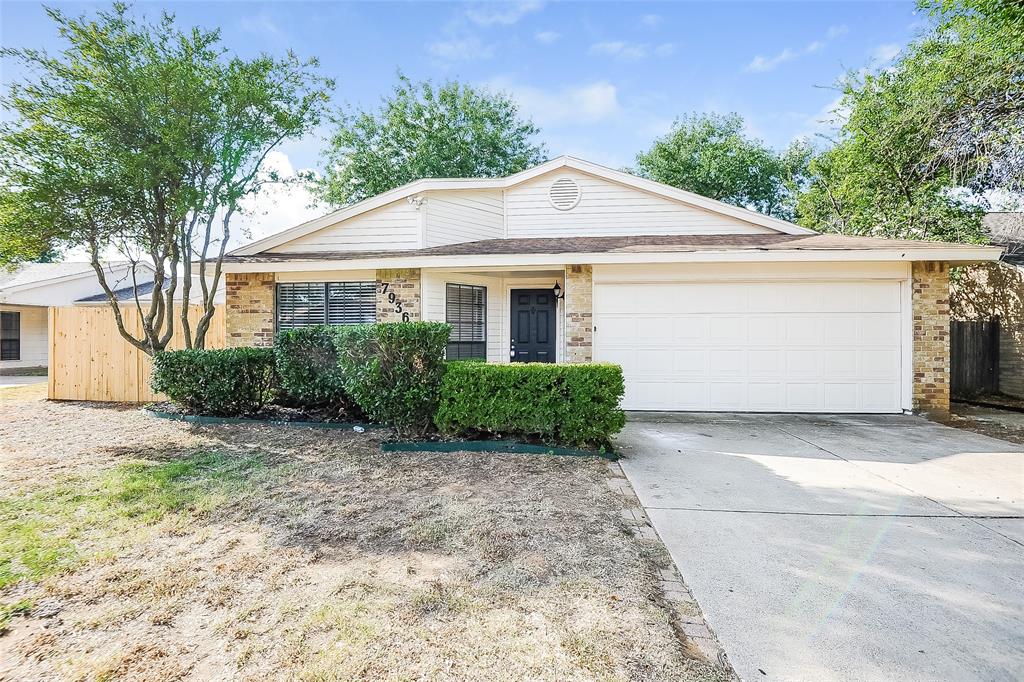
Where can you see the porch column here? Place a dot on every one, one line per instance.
(931, 336)
(398, 295)
(579, 313)
(249, 309)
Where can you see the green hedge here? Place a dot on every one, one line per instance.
(226, 382)
(574, 405)
(393, 370)
(308, 369)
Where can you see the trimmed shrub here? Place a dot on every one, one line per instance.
(574, 405)
(308, 369)
(226, 383)
(393, 370)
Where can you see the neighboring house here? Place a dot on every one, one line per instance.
(705, 305)
(28, 291)
(996, 290)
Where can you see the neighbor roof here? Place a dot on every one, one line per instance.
(32, 273)
(433, 184)
(28, 275)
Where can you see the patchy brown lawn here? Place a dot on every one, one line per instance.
(133, 548)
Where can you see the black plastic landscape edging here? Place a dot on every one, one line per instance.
(490, 446)
(204, 419)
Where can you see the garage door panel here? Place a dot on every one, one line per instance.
(766, 363)
(759, 346)
(879, 329)
(691, 362)
(728, 330)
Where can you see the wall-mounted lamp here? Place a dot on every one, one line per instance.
(557, 291)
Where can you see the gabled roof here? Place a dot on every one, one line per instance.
(32, 275)
(563, 162)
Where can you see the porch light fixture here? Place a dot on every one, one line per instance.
(557, 291)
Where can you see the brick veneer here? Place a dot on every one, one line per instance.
(931, 336)
(249, 314)
(579, 313)
(405, 285)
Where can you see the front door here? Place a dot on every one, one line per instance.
(533, 325)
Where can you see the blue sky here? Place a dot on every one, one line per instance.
(602, 80)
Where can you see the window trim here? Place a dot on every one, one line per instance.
(483, 319)
(16, 338)
(326, 288)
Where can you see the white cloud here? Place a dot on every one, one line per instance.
(884, 54)
(461, 49)
(651, 20)
(630, 52)
(277, 207)
(761, 63)
(261, 24)
(589, 102)
(501, 14)
(546, 37)
(837, 31)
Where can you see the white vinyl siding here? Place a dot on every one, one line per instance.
(609, 209)
(391, 227)
(34, 338)
(464, 216)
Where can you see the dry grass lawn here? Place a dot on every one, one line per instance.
(133, 548)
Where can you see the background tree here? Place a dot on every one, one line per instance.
(929, 137)
(423, 131)
(711, 155)
(145, 139)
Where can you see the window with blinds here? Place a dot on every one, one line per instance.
(466, 312)
(10, 336)
(302, 304)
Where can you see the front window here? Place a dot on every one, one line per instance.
(303, 304)
(10, 336)
(466, 312)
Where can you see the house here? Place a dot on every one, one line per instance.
(28, 291)
(994, 292)
(706, 306)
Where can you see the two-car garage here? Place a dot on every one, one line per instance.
(757, 337)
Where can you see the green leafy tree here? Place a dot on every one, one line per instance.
(927, 137)
(423, 131)
(145, 139)
(711, 155)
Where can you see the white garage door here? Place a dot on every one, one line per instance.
(754, 346)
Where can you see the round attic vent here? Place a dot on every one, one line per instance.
(564, 194)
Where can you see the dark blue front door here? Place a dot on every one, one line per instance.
(533, 325)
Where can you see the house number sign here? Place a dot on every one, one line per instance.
(385, 288)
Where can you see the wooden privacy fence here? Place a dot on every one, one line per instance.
(974, 357)
(90, 361)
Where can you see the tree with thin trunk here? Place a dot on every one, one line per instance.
(146, 140)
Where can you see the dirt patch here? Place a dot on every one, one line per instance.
(175, 551)
(998, 423)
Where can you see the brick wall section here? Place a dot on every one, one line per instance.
(249, 309)
(579, 313)
(931, 337)
(405, 285)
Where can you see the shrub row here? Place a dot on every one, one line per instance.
(224, 383)
(396, 374)
(566, 404)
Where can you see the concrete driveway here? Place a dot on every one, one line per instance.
(842, 548)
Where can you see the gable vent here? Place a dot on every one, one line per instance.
(564, 194)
